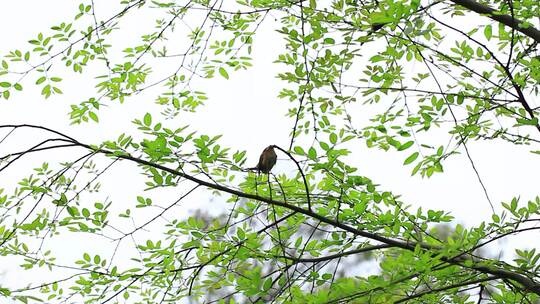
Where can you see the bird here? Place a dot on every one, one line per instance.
(374, 28)
(267, 160)
(377, 26)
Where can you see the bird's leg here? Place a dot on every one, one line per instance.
(256, 182)
(270, 192)
(256, 193)
(269, 186)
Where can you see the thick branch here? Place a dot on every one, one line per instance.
(335, 256)
(507, 20)
(445, 288)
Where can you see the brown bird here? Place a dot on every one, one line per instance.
(267, 160)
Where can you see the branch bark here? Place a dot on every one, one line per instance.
(507, 20)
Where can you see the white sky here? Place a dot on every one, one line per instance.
(246, 111)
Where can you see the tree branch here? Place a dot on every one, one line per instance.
(507, 20)
(527, 283)
(453, 286)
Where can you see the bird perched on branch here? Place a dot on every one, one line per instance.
(374, 28)
(267, 160)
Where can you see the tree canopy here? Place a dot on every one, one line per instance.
(423, 79)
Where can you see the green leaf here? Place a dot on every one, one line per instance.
(158, 179)
(406, 145)
(488, 32)
(411, 158)
(324, 146)
(333, 138)
(312, 153)
(93, 116)
(147, 119)
(46, 91)
(380, 18)
(223, 73)
(240, 233)
(41, 80)
(298, 150)
(530, 122)
(327, 276)
(298, 242)
(5, 292)
(329, 41)
(267, 284)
